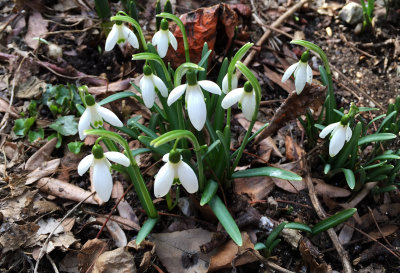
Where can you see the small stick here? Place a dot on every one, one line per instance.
(379, 229)
(52, 263)
(42, 250)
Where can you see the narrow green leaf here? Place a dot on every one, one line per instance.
(209, 192)
(273, 245)
(116, 96)
(145, 230)
(226, 219)
(364, 109)
(267, 171)
(376, 137)
(350, 179)
(386, 120)
(162, 149)
(299, 226)
(383, 157)
(259, 246)
(274, 234)
(324, 76)
(333, 220)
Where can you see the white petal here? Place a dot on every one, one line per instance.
(225, 84)
(164, 179)
(248, 105)
(130, 37)
(232, 97)
(337, 141)
(112, 38)
(196, 107)
(156, 38)
(176, 93)
(85, 164)
(328, 129)
(162, 45)
(95, 117)
(148, 93)
(210, 86)
(300, 77)
(309, 74)
(84, 123)
(109, 116)
(289, 72)
(172, 40)
(160, 86)
(349, 133)
(188, 178)
(119, 158)
(165, 158)
(235, 81)
(102, 180)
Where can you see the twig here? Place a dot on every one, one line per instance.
(52, 232)
(275, 24)
(268, 102)
(360, 196)
(52, 263)
(379, 229)
(267, 262)
(344, 256)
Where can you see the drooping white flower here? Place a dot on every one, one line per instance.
(94, 116)
(302, 72)
(175, 168)
(120, 34)
(234, 83)
(194, 98)
(98, 160)
(339, 135)
(147, 85)
(246, 98)
(163, 38)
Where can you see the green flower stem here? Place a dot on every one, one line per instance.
(134, 23)
(257, 89)
(178, 134)
(133, 171)
(183, 30)
(331, 101)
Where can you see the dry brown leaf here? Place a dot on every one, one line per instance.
(14, 236)
(64, 190)
(116, 232)
(31, 88)
(347, 232)
(149, 249)
(37, 27)
(256, 188)
(180, 251)
(116, 261)
(70, 263)
(47, 168)
(382, 214)
(229, 251)
(293, 151)
(331, 191)
(385, 230)
(41, 155)
(292, 186)
(17, 208)
(313, 257)
(122, 85)
(5, 108)
(288, 86)
(89, 253)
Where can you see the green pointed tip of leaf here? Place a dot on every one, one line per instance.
(146, 229)
(333, 220)
(209, 192)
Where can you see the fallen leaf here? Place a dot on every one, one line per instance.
(116, 261)
(17, 208)
(385, 230)
(41, 155)
(47, 168)
(32, 88)
(331, 191)
(288, 86)
(293, 151)
(37, 27)
(313, 257)
(64, 190)
(70, 263)
(229, 252)
(5, 108)
(292, 236)
(180, 251)
(149, 250)
(112, 87)
(14, 236)
(256, 188)
(48, 226)
(89, 253)
(116, 232)
(382, 214)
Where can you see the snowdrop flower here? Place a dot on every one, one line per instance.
(163, 38)
(98, 160)
(194, 98)
(234, 83)
(94, 115)
(340, 133)
(302, 72)
(174, 168)
(148, 84)
(120, 34)
(246, 98)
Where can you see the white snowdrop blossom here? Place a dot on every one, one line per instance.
(339, 135)
(234, 83)
(174, 168)
(246, 98)
(120, 34)
(94, 116)
(163, 38)
(302, 73)
(194, 98)
(147, 85)
(99, 161)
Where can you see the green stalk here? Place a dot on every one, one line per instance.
(183, 30)
(257, 89)
(134, 23)
(331, 101)
(133, 171)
